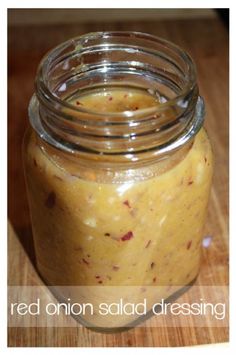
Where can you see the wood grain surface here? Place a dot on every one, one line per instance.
(207, 42)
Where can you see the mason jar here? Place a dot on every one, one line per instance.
(118, 168)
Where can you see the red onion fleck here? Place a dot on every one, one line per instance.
(127, 236)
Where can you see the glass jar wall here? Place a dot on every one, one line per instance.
(118, 168)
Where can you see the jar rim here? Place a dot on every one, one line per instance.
(53, 54)
(133, 135)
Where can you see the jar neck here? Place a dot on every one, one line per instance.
(124, 60)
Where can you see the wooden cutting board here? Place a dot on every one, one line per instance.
(207, 42)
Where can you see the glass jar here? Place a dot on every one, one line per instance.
(118, 168)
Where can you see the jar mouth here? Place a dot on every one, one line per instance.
(90, 42)
(123, 60)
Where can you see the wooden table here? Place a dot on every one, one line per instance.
(207, 41)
